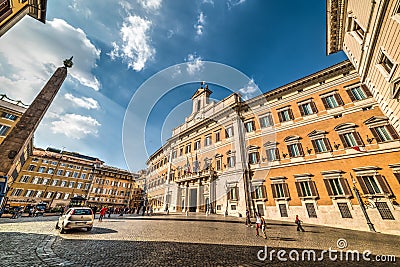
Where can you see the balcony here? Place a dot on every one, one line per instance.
(194, 176)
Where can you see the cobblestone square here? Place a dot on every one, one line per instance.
(177, 240)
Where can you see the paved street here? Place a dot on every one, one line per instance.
(177, 240)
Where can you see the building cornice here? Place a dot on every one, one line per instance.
(335, 12)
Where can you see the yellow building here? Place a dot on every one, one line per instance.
(369, 33)
(52, 176)
(113, 187)
(296, 150)
(12, 11)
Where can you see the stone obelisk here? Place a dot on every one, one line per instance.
(13, 145)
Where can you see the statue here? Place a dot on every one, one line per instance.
(68, 63)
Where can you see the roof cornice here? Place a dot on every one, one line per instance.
(335, 17)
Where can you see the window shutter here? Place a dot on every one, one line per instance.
(313, 188)
(384, 185)
(298, 188)
(366, 90)
(327, 144)
(392, 131)
(270, 120)
(264, 192)
(314, 146)
(273, 191)
(345, 186)
(229, 194)
(290, 151)
(397, 175)
(286, 190)
(291, 114)
(280, 116)
(301, 110)
(328, 187)
(343, 140)
(277, 154)
(325, 103)
(376, 135)
(362, 185)
(359, 141)
(350, 93)
(300, 149)
(313, 107)
(253, 193)
(338, 99)
(237, 193)
(258, 157)
(254, 125)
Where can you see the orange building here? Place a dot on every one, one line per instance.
(301, 149)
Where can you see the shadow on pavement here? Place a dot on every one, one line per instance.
(94, 231)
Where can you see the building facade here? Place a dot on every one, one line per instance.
(297, 150)
(369, 33)
(12, 11)
(113, 187)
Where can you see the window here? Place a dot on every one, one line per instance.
(259, 192)
(63, 183)
(250, 126)
(218, 162)
(337, 187)
(196, 145)
(348, 135)
(280, 190)
(207, 140)
(54, 183)
(386, 64)
(381, 129)
(67, 174)
(42, 169)
(75, 175)
(311, 210)
(45, 181)
(321, 145)
(28, 193)
(332, 101)
(254, 158)
(25, 178)
(358, 30)
(50, 171)
(39, 194)
(374, 184)
(9, 116)
(229, 132)
(66, 196)
(344, 210)
(60, 172)
(283, 210)
(187, 148)
(307, 108)
(384, 210)
(36, 180)
(31, 167)
(49, 194)
(272, 154)
(174, 152)
(4, 129)
(83, 175)
(231, 161)
(295, 150)
(35, 160)
(285, 115)
(233, 193)
(266, 121)
(17, 192)
(358, 92)
(218, 136)
(306, 188)
(71, 184)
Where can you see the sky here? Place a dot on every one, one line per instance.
(138, 62)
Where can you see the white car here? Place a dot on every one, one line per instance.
(77, 217)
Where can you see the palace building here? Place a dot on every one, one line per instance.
(369, 34)
(315, 147)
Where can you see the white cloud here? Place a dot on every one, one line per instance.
(232, 3)
(199, 26)
(208, 2)
(150, 5)
(75, 126)
(249, 90)
(84, 102)
(134, 48)
(194, 64)
(45, 46)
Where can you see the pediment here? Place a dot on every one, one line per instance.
(345, 126)
(376, 119)
(316, 133)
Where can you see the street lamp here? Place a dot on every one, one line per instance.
(227, 197)
(357, 193)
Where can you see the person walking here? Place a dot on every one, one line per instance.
(258, 223)
(298, 222)
(248, 221)
(102, 213)
(264, 226)
(166, 209)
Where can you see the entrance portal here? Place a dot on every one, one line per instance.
(193, 200)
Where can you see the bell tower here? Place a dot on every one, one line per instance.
(201, 98)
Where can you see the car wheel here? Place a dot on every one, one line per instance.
(89, 229)
(62, 230)
(57, 226)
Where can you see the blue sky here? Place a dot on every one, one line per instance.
(119, 45)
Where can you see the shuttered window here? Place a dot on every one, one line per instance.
(384, 133)
(307, 108)
(266, 121)
(295, 150)
(374, 184)
(272, 154)
(332, 101)
(285, 115)
(280, 190)
(351, 139)
(321, 145)
(306, 189)
(337, 187)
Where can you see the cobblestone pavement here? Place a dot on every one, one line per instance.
(177, 240)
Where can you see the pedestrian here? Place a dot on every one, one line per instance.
(166, 208)
(94, 211)
(264, 227)
(121, 212)
(248, 221)
(258, 223)
(102, 213)
(298, 222)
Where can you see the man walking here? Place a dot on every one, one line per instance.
(102, 213)
(298, 222)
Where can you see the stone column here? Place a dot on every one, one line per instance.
(187, 196)
(199, 196)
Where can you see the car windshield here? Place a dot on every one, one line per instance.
(82, 212)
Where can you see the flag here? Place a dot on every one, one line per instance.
(196, 165)
(359, 149)
(187, 166)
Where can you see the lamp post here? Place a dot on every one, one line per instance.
(227, 197)
(362, 206)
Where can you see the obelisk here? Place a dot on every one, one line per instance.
(13, 145)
